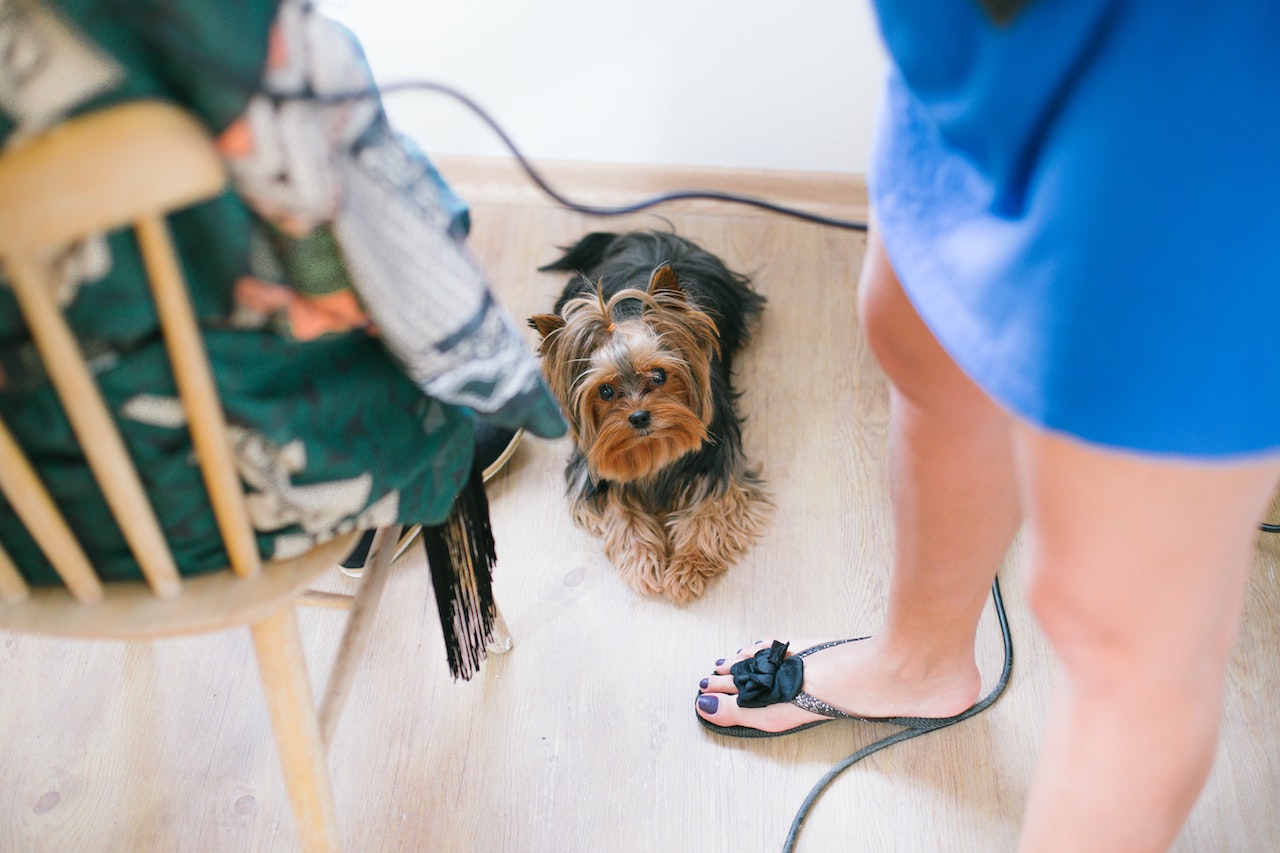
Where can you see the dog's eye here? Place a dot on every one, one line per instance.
(658, 376)
(606, 391)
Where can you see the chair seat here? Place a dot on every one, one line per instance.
(210, 602)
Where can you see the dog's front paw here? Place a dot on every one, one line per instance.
(687, 576)
(642, 568)
(634, 541)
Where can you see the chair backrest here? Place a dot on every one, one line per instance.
(126, 166)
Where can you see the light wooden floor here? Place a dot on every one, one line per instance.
(583, 737)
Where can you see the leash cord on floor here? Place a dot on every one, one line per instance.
(541, 182)
(802, 814)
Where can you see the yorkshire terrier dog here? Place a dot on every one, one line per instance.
(639, 352)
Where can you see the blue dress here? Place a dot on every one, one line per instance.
(1082, 200)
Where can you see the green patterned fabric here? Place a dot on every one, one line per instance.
(331, 425)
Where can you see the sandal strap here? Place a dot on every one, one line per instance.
(827, 645)
(813, 704)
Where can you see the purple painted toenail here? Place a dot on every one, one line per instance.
(720, 662)
(704, 682)
(708, 704)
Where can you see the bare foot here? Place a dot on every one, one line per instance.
(862, 678)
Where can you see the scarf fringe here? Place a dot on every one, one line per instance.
(461, 556)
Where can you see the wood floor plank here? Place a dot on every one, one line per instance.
(582, 738)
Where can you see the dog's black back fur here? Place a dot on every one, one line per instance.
(621, 261)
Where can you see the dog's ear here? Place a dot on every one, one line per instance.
(546, 323)
(663, 279)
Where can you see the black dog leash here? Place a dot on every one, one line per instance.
(802, 814)
(536, 177)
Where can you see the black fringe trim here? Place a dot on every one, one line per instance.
(461, 556)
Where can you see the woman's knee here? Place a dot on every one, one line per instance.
(1115, 665)
(1098, 580)
(1084, 631)
(892, 328)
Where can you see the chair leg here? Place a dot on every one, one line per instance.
(287, 688)
(407, 539)
(355, 636)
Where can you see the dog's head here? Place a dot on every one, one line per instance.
(636, 386)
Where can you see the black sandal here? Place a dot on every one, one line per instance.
(770, 677)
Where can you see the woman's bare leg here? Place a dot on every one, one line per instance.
(955, 510)
(1136, 573)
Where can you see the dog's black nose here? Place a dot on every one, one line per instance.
(639, 419)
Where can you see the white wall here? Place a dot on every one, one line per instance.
(735, 83)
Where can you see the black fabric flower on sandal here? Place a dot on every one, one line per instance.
(768, 677)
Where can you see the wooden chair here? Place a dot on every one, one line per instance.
(129, 166)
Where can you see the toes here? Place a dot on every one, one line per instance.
(720, 680)
(722, 710)
(719, 708)
(721, 666)
(718, 684)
